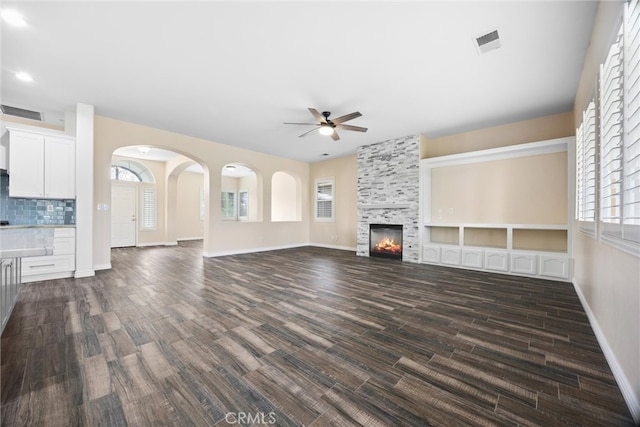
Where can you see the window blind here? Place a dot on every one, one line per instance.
(586, 168)
(149, 210)
(324, 200)
(611, 119)
(631, 146)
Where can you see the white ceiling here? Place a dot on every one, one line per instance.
(233, 72)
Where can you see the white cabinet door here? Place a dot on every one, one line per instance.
(59, 168)
(524, 263)
(496, 260)
(26, 165)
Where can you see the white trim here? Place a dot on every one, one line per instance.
(182, 239)
(557, 145)
(84, 273)
(496, 225)
(143, 245)
(342, 248)
(102, 267)
(626, 388)
(252, 250)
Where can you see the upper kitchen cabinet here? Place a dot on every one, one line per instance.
(41, 164)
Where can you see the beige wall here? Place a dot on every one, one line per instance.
(523, 190)
(189, 223)
(220, 237)
(342, 232)
(609, 279)
(538, 129)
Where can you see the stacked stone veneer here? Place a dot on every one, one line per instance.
(389, 176)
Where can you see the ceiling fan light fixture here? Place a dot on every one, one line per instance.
(326, 130)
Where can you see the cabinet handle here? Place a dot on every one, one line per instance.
(41, 265)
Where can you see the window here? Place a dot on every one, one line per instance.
(610, 164)
(324, 200)
(243, 205)
(132, 171)
(120, 173)
(620, 146)
(149, 209)
(228, 205)
(586, 170)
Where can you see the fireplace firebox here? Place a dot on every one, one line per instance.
(385, 241)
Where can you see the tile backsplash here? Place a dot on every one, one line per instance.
(19, 211)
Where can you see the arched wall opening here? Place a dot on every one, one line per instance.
(241, 196)
(171, 201)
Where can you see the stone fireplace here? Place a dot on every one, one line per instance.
(389, 192)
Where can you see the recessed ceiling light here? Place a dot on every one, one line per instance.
(25, 77)
(13, 17)
(325, 154)
(230, 167)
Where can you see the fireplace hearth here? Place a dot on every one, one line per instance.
(385, 241)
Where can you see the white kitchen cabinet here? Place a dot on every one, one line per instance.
(26, 165)
(41, 165)
(62, 263)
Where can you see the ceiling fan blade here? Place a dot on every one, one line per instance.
(319, 117)
(335, 136)
(311, 124)
(308, 132)
(349, 127)
(346, 117)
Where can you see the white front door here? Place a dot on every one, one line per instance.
(123, 215)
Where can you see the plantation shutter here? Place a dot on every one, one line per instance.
(324, 200)
(631, 150)
(149, 209)
(611, 141)
(586, 169)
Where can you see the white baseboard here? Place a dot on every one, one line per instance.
(630, 396)
(144, 245)
(102, 267)
(252, 250)
(84, 273)
(342, 248)
(183, 239)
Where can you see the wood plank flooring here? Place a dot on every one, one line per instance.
(306, 336)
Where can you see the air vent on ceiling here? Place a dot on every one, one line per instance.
(20, 112)
(487, 42)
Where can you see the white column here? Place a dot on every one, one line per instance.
(84, 190)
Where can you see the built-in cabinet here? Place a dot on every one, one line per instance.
(526, 249)
(41, 164)
(62, 262)
(9, 286)
(449, 244)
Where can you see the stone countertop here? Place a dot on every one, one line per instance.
(20, 242)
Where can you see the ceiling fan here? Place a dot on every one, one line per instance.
(325, 126)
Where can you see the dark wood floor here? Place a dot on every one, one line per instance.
(305, 336)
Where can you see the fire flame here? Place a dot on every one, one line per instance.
(388, 245)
